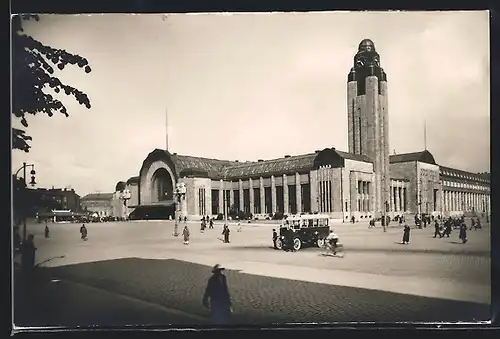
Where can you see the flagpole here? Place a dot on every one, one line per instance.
(166, 129)
(425, 135)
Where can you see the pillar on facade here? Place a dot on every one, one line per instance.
(231, 196)
(251, 196)
(298, 193)
(273, 194)
(285, 194)
(262, 196)
(221, 196)
(240, 192)
(313, 183)
(398, 198)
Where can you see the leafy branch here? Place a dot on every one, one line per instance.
(33, 66)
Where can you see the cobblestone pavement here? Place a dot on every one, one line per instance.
(375, 260)
(57, 303)
(180, 285)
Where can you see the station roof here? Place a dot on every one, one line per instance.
(133, 180)
(463, 175)
(218, 169)
(422, 156)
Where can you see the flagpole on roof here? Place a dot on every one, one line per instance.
(425, 135)
(166, 129)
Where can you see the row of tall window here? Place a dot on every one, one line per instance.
(399, 199)
(237, 204)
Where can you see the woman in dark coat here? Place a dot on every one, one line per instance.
(463, 233)
(83, 232)
(225, 233)
(217, 297)
(406, 234)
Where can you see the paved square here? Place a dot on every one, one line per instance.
(142, 264)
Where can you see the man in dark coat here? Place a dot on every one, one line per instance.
(290, 235)
(463, 233)
(275, 238)
(225, 233)
(17, 239)
(28, 254)
(47, 231)
(436, 229)
(217, 297)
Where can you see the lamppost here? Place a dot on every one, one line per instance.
(179, 194)
(32, 183)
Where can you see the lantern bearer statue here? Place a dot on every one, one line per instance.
(125, 196)
(179, 194)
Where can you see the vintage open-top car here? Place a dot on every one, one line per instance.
(308, 230)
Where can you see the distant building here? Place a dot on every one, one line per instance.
(100, 203)
(66, 198)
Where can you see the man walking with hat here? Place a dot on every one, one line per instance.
(217, 297)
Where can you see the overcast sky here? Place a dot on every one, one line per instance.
(255, 86)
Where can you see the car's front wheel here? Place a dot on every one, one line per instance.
(297, 244)
(279, 244)
(320, 243)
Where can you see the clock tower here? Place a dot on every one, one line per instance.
(368, 119)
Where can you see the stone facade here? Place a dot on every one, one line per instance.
(363, 183)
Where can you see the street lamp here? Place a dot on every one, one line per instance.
(179, 194)
(32, 183)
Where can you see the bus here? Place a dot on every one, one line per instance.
(308, 230)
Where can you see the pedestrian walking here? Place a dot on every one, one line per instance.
(17, 239)
(202, 229)
(463, 233)
(83, 232)
(289, 239)
(211, 224)
(436, 229)
(275, 239)
(371, 224)
(239, 226)
(28, 254)
(180, 219)
(217, 298)
(47, 231)
(185, 220)
(185, 234)
(225, 233)
(406, 234)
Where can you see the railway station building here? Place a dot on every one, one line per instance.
(365, 181)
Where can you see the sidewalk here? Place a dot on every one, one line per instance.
(63, 303)
(418, 286)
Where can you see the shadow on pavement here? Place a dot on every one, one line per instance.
(180, 285)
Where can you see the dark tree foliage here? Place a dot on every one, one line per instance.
(33, 70)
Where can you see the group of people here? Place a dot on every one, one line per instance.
(225, 230)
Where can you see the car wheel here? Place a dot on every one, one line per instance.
(279, 244)
(320, 243)
(297, 244)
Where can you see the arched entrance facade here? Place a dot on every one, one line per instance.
(157, 183)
